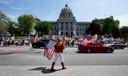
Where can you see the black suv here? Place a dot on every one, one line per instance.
(40, 43)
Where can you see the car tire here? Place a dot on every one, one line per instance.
(109, 51)
(122, 47)
(88, 50)
(34, 46)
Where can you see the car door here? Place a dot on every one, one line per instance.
(95, 48)
(98, 48)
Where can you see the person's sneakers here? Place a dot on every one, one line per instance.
(52, 70)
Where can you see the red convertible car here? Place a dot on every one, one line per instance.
(95, 48)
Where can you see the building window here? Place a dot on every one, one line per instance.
(77, 28)
(66, 27)
(66, 33)
(62, 27)
(66, 23)
(80, 28)
(61, 33)
(71, 27)
(83, 28)
(71, 23)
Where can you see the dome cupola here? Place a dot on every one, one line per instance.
(66, 12)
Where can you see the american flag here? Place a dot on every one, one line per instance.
(49, 53)
(49, 49)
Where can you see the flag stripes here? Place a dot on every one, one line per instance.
(49, 53)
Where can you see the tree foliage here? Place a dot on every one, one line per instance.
(4, 21)
(95, 27)
(27, 23)
(124, 31)
(111, 26)
(43, 27)
(105, 26)
(13, 28)
(3, 27)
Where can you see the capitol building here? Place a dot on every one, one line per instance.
(67, 25)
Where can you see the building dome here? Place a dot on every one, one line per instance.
(66, 12)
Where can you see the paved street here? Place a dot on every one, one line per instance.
(26, 61)
(94, 70)
(30, 56)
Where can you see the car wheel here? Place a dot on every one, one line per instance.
(122, 47)
(88, 50)
(109, 51)
(114, 47)
(34, 46)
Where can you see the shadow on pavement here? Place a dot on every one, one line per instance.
(44, 70)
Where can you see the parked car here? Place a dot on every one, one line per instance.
(95, 48)
(116, 45)
(40, 43)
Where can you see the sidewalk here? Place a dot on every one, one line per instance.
(90, 70)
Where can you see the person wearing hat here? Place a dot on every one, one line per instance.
(59, 48)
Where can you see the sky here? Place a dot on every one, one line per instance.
(83, 10)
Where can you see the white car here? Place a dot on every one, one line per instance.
(116, 45)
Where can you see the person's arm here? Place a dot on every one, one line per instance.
(63, 46)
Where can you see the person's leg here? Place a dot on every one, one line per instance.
(52, 68)
(62, 61)
(63, 67)
(54, 61)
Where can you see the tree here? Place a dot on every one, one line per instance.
(95, 27)
(87, 30)
(3, 27)
(12, 27)
(38, 26)
(43, 27)
(27, 23)
(111, 26)
(4, 21)
(124, 33)
(106, 28)
(115, 29)
(4, 18)
(47, 27)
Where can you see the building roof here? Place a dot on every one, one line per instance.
(66, 9)
(66, 12)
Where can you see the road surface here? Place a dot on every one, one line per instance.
(29, 56)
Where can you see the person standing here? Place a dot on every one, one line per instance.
(58, 48)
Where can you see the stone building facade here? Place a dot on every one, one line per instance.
(67, 25)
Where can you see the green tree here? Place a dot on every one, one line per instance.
(95, 27)
(26, 23)
(12, 27)
(87, 31)
(43, 27)
(3, 27)
(115, 29)
(124, 33)
(111, 26)
(4, 20)
(38, 26)
(106, 28)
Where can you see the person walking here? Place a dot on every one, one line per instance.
(58, 48)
